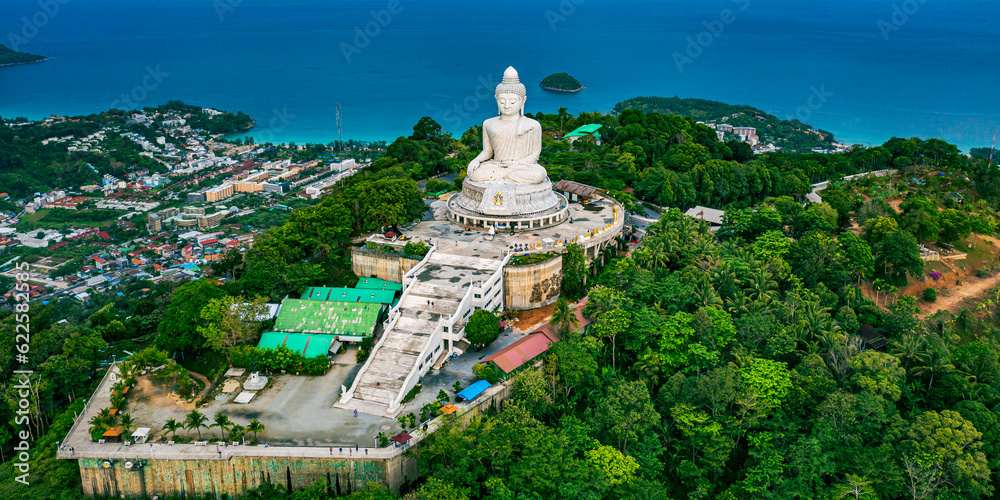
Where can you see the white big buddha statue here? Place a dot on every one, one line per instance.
(505, 185)
(511, 141)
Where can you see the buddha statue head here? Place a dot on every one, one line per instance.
(510, 94)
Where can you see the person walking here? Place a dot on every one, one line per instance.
(355, 413)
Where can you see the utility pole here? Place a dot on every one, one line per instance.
(992, 144)
(340, 142)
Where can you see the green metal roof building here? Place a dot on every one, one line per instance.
(302, 343)
(350, 321)
(584, 130)
(372, 296)
(377, 284)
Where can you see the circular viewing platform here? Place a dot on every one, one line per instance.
(472, 219)
(505, 206)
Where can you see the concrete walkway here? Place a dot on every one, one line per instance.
(815, 197)
(441, 285)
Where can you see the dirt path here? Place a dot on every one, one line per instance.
(204, 380)
(155, 396)
(960, 295)
(532, 318)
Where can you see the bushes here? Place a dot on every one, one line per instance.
(364, 350)
(282, 360)
(412, 394)
(316, 365)
(246, 356)
(929, 294)
(408, 420)
(434, 185)
(488, 372)
(429, 410)
(419, 248)
(184, 384)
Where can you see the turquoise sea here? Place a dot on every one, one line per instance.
(865, 69)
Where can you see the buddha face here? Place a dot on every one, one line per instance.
(510, 104)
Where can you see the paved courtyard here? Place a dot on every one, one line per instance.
(436, 227)
(297, 411)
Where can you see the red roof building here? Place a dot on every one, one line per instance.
(517, 354)
(535, 344)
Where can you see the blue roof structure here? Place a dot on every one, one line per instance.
(474, 390)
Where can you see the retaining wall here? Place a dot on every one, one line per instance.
(386, 266)
(236, 475)
(534, 285)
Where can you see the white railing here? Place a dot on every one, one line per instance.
(191, 451)
(390, 322)
(497, 277)
(413, 280)
(409, 381)
(86, 406)
(463, 305)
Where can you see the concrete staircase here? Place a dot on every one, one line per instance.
(442, 283)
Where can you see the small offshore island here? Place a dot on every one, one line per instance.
(10, 57)
(561, 82)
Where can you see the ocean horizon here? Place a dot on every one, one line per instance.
(866, 70)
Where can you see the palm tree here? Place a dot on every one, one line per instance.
(704, 246)
(909, 349)
(255, 427)
(762, 284)
(608, 253)
(563, 115)
(815, 317)
(725, 281)
(563, 319)
(222, 422)
(656, 255)
(195, 420)
(118, 401)
(237, 432)
(103, 419)
(127, 423)
(649, 367)
(118, 387)
(851, 293)
(706, 296)
(935, 361)
(739, 304)
(127, 369)
(172, 426)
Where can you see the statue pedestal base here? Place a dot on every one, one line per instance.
(505, 206)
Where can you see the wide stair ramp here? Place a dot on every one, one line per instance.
(440, 284)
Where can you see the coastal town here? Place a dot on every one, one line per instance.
(200, 199)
